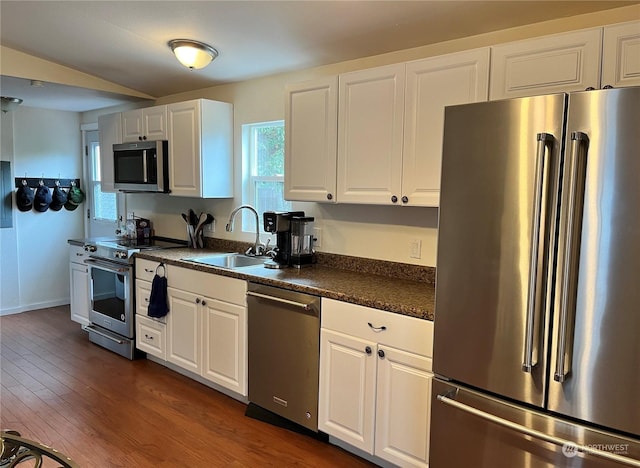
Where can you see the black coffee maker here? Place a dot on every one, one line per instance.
(281, 223)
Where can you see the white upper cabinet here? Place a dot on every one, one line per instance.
(200, 149)
(549, 64)
(389, 130)
(370, 132)
(621, 55)
(149, 123)
(311, 114)
(431, 85)
(110, 130)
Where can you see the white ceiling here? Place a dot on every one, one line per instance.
(125, 42)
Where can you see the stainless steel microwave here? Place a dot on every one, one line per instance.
(142, 166)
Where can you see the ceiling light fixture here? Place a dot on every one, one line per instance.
(9, 103)
(193, 54)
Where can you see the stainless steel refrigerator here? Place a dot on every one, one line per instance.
(537, 327)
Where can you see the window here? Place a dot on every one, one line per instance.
(263, 170)
(104, 203)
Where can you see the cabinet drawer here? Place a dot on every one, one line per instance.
(151, 336)
(77, 254)
(146, 269)
(143, 294)
(208, 284)
(400, 331)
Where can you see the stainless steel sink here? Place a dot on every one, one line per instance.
(229, 260)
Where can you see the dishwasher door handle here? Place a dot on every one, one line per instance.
(301, 305)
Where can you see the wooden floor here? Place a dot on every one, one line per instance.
(105, 411)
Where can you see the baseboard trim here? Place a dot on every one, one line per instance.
(34, 306)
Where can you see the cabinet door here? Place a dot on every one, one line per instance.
(403, 408)
(132, 125)
(155, 122)
(550, 64)
(185, 178)
(311, 125)
(110, 129)
(183, 330)
(346, 405)
(621, 55)
(433, 84)
(79, 289)
(224, 345)
(370, 126)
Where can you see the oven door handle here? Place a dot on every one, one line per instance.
(106, 265)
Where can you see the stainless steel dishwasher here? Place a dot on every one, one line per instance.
(284, 353)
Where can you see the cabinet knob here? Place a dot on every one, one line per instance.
(607, 87)
(381, 354)
(590, 88)
(329, 196)
(197, 300)
(140, 138)
(204, 303)
(394, 199)
(368, 350)
(405, 199)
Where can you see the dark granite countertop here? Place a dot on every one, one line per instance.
(390, 293)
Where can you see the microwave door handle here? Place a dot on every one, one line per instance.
(144, 166)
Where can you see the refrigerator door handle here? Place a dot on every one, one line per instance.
(590, 450)
(570, 253)
(534, 300)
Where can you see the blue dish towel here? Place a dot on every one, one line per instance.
(158, 303)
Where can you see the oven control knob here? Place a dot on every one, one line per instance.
(120, 254)
(90, 248)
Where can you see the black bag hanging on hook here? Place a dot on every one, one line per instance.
(158, 301)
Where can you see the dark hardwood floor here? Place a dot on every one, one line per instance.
(105, 411)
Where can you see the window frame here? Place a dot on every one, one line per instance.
(249, 168)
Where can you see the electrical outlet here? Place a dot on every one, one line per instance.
(210, 228)
(317, 237)
(415, 248)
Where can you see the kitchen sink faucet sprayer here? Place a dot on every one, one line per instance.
(258, 248)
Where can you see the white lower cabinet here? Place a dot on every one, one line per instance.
(206, 327)
(375, 381)
(80, 302)
(184, 323)
(224, 344)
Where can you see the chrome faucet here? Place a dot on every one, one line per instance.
(258, 248)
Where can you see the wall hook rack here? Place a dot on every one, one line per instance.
(35, 182)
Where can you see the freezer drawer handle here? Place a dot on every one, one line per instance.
(536, 434)
(536, 270)
(570, 253)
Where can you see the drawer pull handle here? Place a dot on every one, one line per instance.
(148, 337)
(377, 329)
(148, 270)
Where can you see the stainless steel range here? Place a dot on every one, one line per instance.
(112, 310)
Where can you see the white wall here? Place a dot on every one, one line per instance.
(35, 259)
